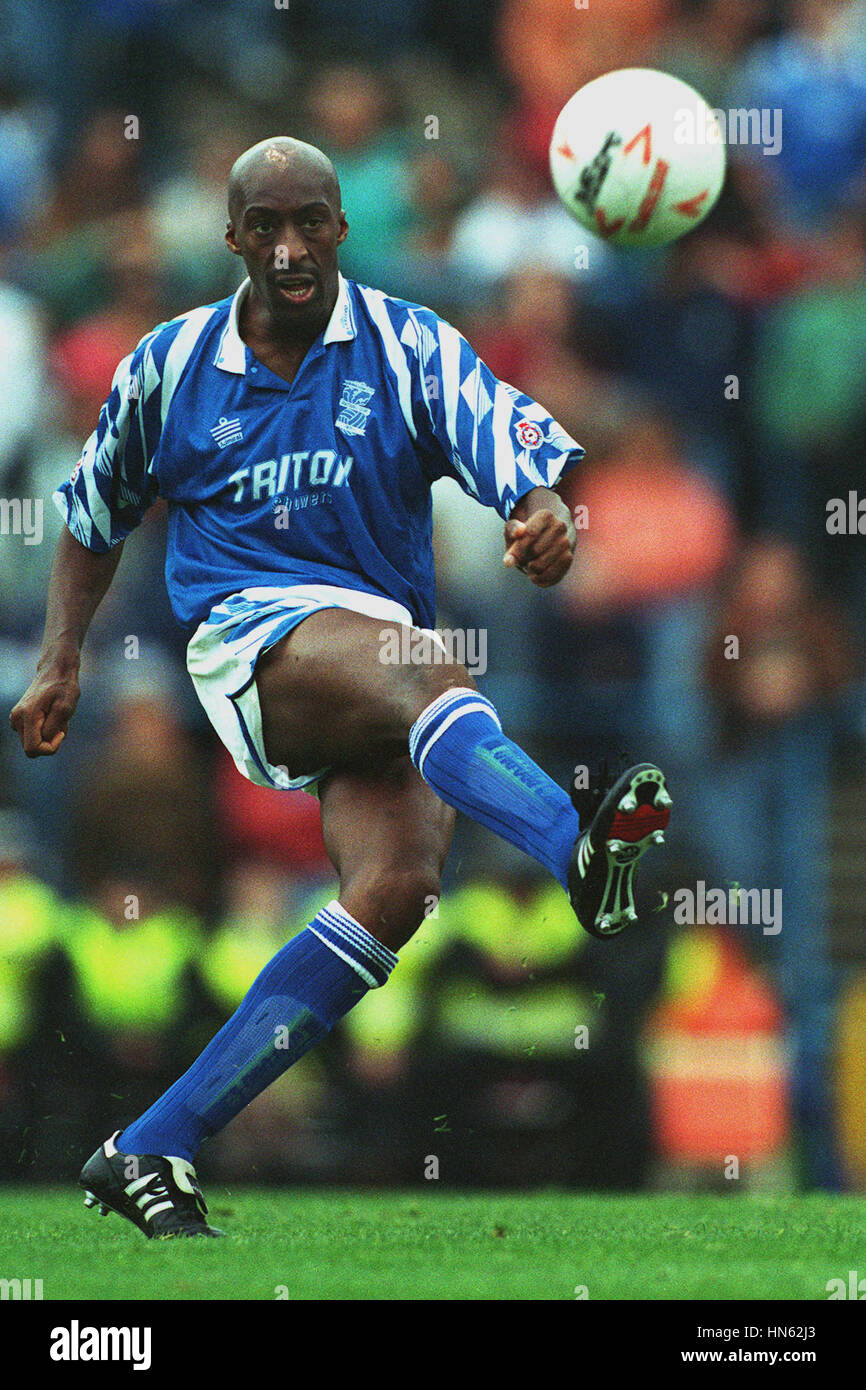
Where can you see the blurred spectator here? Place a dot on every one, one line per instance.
(654, 528)
(24, 148)
(521, 1038)
(540, 334)
(421, 266)
(705, 40)
(189, 214)
(351, 109)
(794, 652)
(515, 223)
(122, 1013)
(101, 177)
(814, 74)
(378, 28)
(812, 355)
(718, 1069)
(765, 800)
(23, 348)
(33, 925)
(146, 821)
(86, 355)
(548, 49)
(258, 822)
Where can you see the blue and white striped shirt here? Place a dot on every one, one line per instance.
(325, 479)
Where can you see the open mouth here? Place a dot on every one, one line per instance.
(298, 289)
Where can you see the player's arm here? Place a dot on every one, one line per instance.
(80, 578)
(540, 537)
(502, 447)
(106, 497)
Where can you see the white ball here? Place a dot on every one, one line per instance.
(638, 157)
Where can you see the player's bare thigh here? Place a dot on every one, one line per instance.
(387, 834)
(329, 699)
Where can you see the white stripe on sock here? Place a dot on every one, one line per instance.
(433, 710)
(456, 714)
(350, 960)
(357, 936)
(354, 928)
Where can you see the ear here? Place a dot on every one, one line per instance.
(231, 239)
(343, 228)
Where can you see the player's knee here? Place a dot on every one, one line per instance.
(379, 713)
(392, 901)
(421, 685)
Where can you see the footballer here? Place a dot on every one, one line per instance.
(295, 431)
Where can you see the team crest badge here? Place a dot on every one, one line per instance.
(354, 411)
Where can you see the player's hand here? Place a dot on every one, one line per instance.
(41, 717)
(541, 547)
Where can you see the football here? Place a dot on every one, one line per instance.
(637, 157)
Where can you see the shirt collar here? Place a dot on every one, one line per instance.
(231, 354)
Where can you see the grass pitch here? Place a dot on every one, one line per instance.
(442, 1245)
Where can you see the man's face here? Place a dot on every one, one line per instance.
(286, 229)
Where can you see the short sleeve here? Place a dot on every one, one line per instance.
(495, 441)
(112, 485)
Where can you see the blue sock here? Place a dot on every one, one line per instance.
(312, 982)
(458, 746)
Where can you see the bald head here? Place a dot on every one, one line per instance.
(287, 224)
(281, 162)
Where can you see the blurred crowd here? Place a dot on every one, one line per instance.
(718, 388)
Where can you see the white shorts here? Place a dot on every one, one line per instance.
(222, 654)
